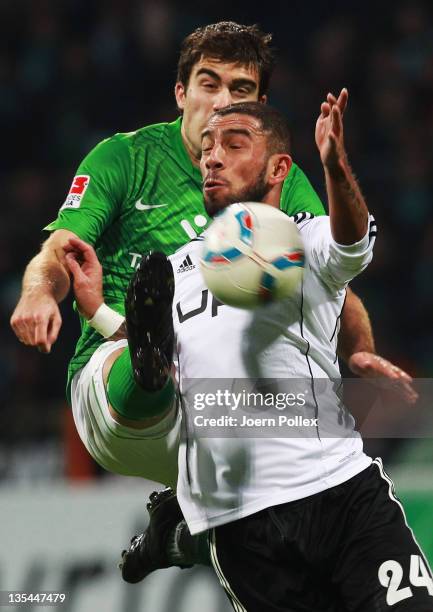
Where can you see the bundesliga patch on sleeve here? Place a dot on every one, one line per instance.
(76, 192)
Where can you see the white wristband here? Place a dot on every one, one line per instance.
(106, 321)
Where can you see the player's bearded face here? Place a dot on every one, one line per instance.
(234, 161)
(253, 192)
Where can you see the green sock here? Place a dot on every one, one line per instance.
(129, 399)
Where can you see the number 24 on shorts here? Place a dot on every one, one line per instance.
(391, 573)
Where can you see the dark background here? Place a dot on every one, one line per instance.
(73, 72)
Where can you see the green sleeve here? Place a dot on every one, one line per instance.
(98, 190)
(298, 194)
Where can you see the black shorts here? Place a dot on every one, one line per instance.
(346, 549)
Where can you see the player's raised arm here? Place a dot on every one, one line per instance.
(347, 209)
(36, 319)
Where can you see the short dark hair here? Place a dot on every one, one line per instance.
(273, 123)
(228, 41)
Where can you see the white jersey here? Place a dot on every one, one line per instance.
(225, 477)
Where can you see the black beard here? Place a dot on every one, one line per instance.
(251, 193)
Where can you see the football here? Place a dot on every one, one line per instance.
(252, 254)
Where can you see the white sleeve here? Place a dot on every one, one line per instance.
(336, 264)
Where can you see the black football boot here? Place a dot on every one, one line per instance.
(149, 550)
(149, 321)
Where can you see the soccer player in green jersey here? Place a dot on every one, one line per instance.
(137, 192)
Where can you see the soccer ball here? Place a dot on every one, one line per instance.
(252, 254)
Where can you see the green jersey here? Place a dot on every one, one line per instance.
(138, 192)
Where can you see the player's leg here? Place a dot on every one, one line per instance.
(381, 566)
(149, 452)
(126, 415)
(139, 385)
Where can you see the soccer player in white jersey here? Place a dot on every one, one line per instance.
(296, 523)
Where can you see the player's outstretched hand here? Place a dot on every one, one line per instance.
(329, 130)
(86, 271)
(36, 320)
(384, 374)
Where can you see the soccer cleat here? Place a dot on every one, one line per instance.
(149, 550)
(149, 321)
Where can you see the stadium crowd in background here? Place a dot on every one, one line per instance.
(72, 73)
